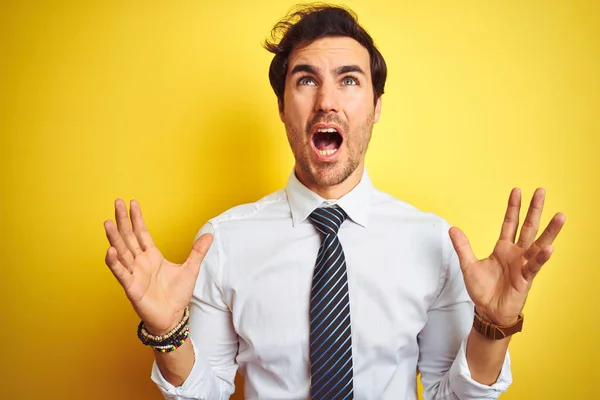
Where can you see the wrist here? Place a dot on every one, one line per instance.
(479, 336)
(489, 317)
(495, 331)
(170, 341)
(163, 329)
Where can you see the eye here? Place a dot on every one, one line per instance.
(349, 81)
(307, 81)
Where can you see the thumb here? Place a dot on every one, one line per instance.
(462, 247)
(198, 252)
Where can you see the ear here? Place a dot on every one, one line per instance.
(280, 107)
(377, 110)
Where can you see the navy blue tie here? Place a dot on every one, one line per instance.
(330, 333)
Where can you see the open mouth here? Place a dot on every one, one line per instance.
(327, 141)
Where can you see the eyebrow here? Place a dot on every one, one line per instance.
(305, 68)
(344, 69)
(349, 68)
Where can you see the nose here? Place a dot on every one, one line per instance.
(327, 98)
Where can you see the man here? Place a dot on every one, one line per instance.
(330, 289)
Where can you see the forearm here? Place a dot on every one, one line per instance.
(485, 357)
(176, 365)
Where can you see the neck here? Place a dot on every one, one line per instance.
(333, 192)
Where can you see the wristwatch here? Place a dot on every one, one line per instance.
(496, 332)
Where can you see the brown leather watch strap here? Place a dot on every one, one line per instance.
(496, 332)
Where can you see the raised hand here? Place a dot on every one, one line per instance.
(158, 289)
(499, 284)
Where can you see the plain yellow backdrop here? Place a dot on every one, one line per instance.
(169, 103)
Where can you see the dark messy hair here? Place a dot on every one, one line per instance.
(307, 23)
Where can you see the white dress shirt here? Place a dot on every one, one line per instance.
(409, 306)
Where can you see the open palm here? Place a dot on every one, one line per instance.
(158, 289)
(499, 284)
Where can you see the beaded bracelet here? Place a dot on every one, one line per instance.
(184, 320)
(146, 335)
(174, 346)
(166, 342)
(171, 338)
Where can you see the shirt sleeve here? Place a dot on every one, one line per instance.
(442, 362)
(213, 337)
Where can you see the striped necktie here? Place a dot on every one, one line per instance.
(330, 334)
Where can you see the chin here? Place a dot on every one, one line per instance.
(325, 174)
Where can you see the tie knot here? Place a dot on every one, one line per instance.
(328, 220)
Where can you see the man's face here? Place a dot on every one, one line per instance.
(329, 109)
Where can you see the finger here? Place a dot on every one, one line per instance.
(532, 221)
(114, 238)
(119, 271)
(462, 247)
(534, 265)
(125, 229)
(139, 226)
(511, 218)
(548, 236)
(198, 252)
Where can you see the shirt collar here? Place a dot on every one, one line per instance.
(304, 201)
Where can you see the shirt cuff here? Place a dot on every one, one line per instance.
(189, 386)
(466, 388)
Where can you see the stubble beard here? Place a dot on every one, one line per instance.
(326, 174)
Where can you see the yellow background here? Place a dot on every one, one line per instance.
(169, 102)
